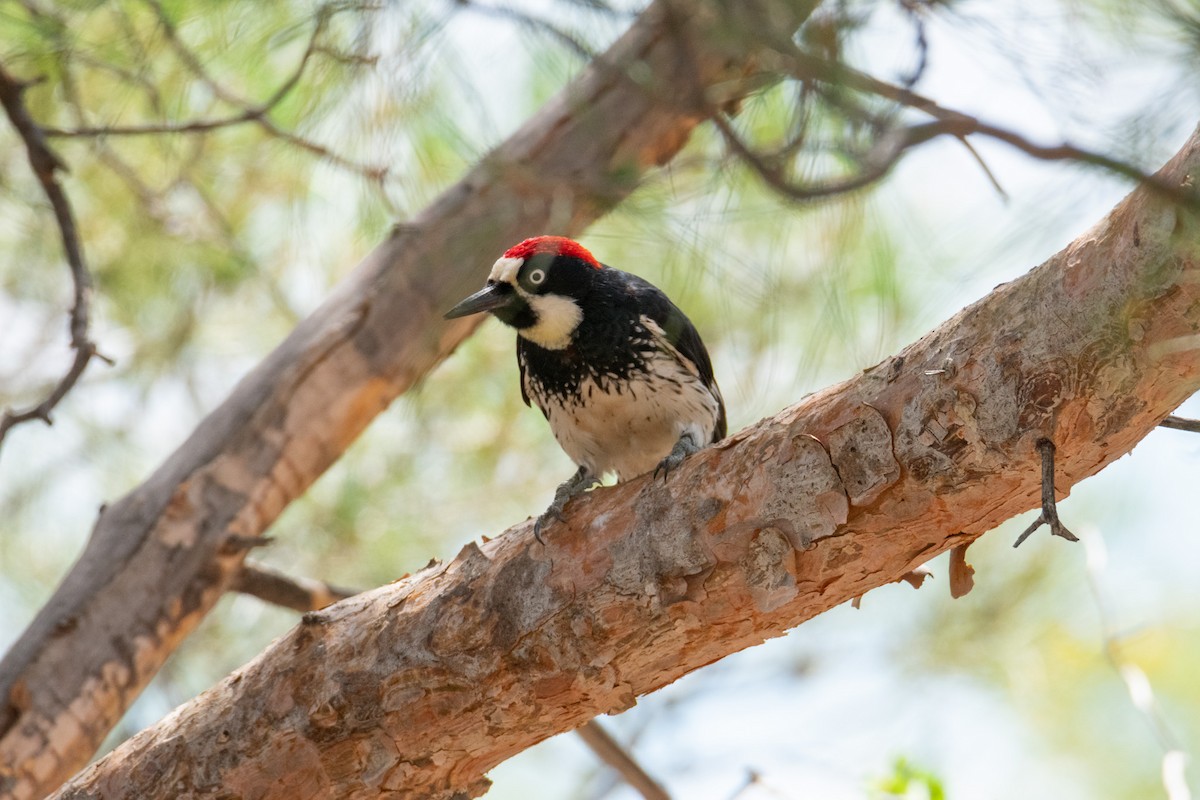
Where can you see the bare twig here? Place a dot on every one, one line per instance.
(610, 752)
(1049, 515)
(1181, 424)
(299, 594)
(45, 164)
(913, 10)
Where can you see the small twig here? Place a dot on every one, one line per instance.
(1181, 424)
(987, 171)
(299, 594)
(1049, 515)
(610, 752)
(913, 11)
(45, 164)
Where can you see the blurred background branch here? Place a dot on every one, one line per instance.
(45, 165)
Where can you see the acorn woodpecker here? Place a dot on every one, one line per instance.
(616, 368)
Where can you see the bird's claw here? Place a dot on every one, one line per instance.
(667, 464)
(682, 449)
(576, 484)
(553, 513)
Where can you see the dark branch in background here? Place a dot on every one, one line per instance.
(1181, 424)
(891, 142)
(308, 594)
(45, 164)
(610, 752)
(912, 9)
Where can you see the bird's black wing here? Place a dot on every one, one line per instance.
(682, 335)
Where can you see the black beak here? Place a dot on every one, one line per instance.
(489, 298)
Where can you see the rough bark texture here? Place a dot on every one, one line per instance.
(417, 689)
(159, 558)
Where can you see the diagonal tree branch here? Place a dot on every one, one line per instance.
(159, 558)
(307, 594)
(418, 688)
(46, 165)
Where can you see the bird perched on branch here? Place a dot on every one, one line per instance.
(617, 369)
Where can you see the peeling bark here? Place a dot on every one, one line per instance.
(159, 558)
(417, 689)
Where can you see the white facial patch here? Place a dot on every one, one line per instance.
(557, 316)
(505, 270)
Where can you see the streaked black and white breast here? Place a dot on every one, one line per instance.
(634, 379)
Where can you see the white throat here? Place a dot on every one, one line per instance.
(558, 317)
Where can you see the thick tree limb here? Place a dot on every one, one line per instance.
(306, 594)
(159, 558)
(417, 689)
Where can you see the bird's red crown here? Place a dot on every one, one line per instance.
(554, 245)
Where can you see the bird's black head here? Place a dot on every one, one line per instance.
(537, 287)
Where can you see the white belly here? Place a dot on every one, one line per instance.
(630, 431)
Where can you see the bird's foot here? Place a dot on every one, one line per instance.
(682, 449)
(554, 512)
(577, 484)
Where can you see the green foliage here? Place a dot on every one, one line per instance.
(908, 782)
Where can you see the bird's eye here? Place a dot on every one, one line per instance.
(537, 276)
